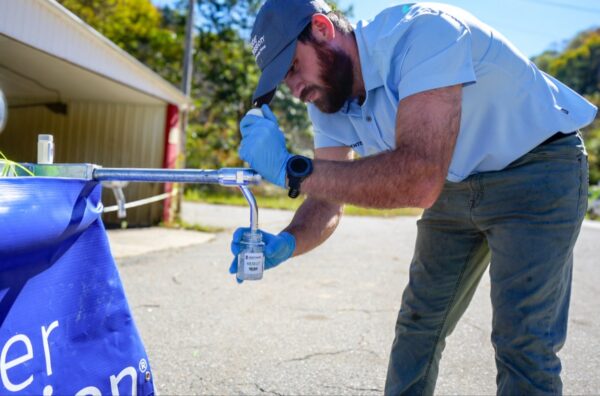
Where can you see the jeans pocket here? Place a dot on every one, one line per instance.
(541, 189)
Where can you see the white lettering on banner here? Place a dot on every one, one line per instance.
(89, 391)
(5, 366)
(143, 366)
(114, 381)
(45, 334)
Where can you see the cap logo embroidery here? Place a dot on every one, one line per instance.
(258, 46)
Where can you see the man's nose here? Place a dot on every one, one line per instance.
(295, 85)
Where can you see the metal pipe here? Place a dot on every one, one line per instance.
(239, 177)
(224, 176)
(253, 208)
(120, 197)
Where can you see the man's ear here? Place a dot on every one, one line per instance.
(322, 28)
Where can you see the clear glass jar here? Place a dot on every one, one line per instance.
(251, 259)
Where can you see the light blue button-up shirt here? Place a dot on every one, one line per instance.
(509, 106)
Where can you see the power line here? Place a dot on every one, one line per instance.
(566, 6)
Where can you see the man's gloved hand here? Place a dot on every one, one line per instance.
(278, 248)
(263, 146)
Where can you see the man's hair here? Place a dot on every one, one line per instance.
(340, 22)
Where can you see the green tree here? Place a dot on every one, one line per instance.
(578, 66)
(139, 28)
(224, 77)
(223, 81)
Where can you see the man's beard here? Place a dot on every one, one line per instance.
(337, 76)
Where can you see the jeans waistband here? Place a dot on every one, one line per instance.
(557, 136)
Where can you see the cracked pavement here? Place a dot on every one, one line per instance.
(323, 323)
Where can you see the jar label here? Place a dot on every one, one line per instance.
(254, 262)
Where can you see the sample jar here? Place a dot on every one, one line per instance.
(251, 259)
(45, 153)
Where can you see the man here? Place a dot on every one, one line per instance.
(448, 116)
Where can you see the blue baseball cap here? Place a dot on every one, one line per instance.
(274, 38)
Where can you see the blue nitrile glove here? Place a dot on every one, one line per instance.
(278, 248)
(263, 146)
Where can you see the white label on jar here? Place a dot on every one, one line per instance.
(253, 262)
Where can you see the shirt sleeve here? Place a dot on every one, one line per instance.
(322, 141)
(434, 53)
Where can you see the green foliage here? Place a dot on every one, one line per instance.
(137, 27)
(544, 60)
(578, 66)
(593, 199)
(592, 143)
(223, 80)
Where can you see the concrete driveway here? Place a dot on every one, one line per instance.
(323, 323)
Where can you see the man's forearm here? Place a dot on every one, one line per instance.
(313, 223)
(399, 178)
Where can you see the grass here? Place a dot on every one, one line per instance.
(183, 225)
(594, 194)
(281, 201)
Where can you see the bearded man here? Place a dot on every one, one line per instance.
(448, 116)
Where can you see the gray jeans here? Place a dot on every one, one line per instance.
(526, 219)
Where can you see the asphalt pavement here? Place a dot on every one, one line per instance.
(322, 323)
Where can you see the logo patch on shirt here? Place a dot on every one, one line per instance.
(357, 144)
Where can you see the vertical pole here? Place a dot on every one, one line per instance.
(186, 87)
(187, 57)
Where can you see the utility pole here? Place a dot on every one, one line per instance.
(186, 85)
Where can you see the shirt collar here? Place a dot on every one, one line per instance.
(371, 77)
(351, 108)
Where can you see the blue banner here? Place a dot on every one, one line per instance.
(65, 325)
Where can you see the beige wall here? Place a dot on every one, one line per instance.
(106, 134)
